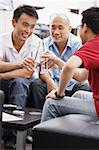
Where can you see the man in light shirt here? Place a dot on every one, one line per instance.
(19, 53)
(19, 50)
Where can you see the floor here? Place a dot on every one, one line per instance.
(28, 146)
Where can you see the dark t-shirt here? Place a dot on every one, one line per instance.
(89, 53)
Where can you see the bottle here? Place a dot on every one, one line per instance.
(43, 62)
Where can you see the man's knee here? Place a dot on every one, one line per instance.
(36, 83)
(19, 83)
(78, 94)
(19, 80)
(38, 86)
(85, 86)
(83, 94)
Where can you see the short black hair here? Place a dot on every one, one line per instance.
(30, 10)
(91, 17)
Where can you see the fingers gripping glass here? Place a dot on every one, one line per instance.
(43, 64)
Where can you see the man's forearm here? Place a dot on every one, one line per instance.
(49, 81)
(23, 73)
(59, 62)
(8, 66)
(66, 76)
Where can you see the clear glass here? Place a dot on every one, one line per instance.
(43, 62)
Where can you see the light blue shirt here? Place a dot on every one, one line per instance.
(73, 44)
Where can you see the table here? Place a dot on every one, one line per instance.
(31, 117)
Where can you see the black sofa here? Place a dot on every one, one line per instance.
(75, 131)
(1, 108)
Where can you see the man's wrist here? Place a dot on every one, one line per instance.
(0, 76)
(19, 65)
(58, 96)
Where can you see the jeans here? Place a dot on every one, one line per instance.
(80, 103)
(16, 90)
(39, 91)
(83, 95)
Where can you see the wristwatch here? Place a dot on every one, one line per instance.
(58, 96)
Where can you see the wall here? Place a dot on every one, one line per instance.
(5, 21)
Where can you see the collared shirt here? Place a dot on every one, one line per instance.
(31, 47)
(73, 44)
(89, 54)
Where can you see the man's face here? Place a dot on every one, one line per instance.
(59, 29)
(82, 34)
(24, 26)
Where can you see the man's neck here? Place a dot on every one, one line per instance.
(90, 35)
(17, 43)
(61, 47)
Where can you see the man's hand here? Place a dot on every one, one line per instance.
(52, 95)
(28, 63)
(51, 57)
(53, 60)
(51, 64)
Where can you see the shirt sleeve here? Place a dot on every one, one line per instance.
(88, 55)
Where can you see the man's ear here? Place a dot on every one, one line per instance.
(13, 22)
(85, 27)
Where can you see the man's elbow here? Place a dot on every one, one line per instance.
(69, 68)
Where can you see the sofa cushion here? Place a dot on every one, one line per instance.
(71, 131)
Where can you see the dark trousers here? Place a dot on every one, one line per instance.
(38, 92)
(78, 86)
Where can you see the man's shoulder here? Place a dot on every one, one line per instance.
(5, 35)
(5, 38)
(48, 40)
(75, 41)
